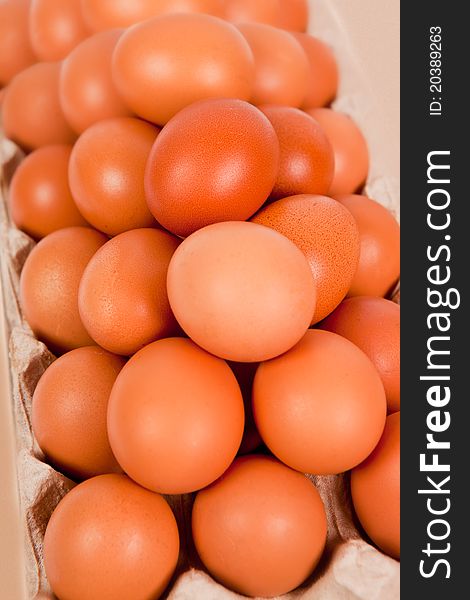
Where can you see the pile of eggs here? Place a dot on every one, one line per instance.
(212, 281)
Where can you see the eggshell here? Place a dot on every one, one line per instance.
(175, 417)
(69, 411)
(32, 116)
(106, 174)
(324, 77)
(320, 408)
(55, 28)
(122, 298)
(49, 286)
(241, 291)
(328, 237)
(245, 374)
(349, 147)
(86, 88)
(261, 528)
(281, 65)
(106, 14)
(373, 324)
(294, 14)
(16, 52)
(216, 160)
(246, 11)
(110, 539)
(375, 488)
(306, 160)
(168, 62)
(379, 261)
(40, 200)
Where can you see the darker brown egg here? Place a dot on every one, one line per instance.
(216, 160)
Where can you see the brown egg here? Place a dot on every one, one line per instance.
(247, 11)
(209, 7)
(245, 374)
(375, 488)
(32, 116)
(328, 237)
(373, 324)
(379, 261)
(307, 161)
(241, 291)
(168, 62)
(55, 27)
(106, 174)
(216, 160)
(175, 417)
(15, 47)
(69, 411)
(261, 528)
(86, 88)
(122, 299)
(281, 65)
(294, 15)
(110, 539)
(107, 14)
(40, 199)
(324, 77)
(320, 408)
(349, 147)
(49, 286)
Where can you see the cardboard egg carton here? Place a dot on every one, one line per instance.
(351, 568)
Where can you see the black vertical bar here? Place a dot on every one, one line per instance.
(435, 119)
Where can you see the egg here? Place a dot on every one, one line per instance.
(49, 286)
(16, 52)
(86, 88)
(245, 374)
(216, 160)
(261, 528)
(306, 158)
(209, 7)
(122, 298)
(32, 116)
(106, 14)
(40, 200)
(373, 324)
(110, 539)
(379, 261)
(69, 412)
(175, 417)
(241, 291)
(246, 11)
(375, 489)
(55, 27)
(320, 408)
(349, 147)
(328, 237)
(166, 63)
(106, 174)
(324, 77)
(294, 14)
(281, 65)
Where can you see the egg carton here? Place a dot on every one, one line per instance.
(351, 568)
